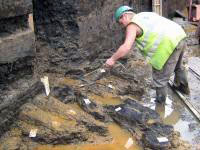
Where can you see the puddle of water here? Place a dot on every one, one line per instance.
(106, 99)
(75, 107)
(172, 113)
(164, 110)
(53, 120)
(183, 128)
(120, 139)
(69, 81)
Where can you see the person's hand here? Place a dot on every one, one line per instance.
(110, 62)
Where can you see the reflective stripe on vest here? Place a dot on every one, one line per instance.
(159, 39)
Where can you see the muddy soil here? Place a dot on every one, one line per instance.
(88, 108)
(94, 111)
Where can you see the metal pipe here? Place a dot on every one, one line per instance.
(195, 73)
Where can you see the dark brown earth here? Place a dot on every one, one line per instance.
(72, 41)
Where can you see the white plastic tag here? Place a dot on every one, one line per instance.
(110, 86)
(81, 85)
(72, 112)
(118, 109)
(87, 101)
(33, 133)
(102, 70)
(129, 143)
(45, 81)
(162, 139)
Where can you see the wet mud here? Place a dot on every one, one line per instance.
(87, 109)
(78, 116)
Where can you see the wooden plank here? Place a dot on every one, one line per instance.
(189, 105)
(157, 7)
(160, 8)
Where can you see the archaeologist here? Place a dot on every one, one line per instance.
(161, 41)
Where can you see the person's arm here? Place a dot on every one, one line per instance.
(123, 50)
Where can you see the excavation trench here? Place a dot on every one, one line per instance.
(101, 115)
(88, 108)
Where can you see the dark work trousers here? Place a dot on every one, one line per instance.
(173, 65)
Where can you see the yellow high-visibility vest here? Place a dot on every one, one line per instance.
(159, 39)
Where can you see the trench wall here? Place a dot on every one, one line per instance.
(16, 40)
(73, 33)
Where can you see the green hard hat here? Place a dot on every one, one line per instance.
(120, 11)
